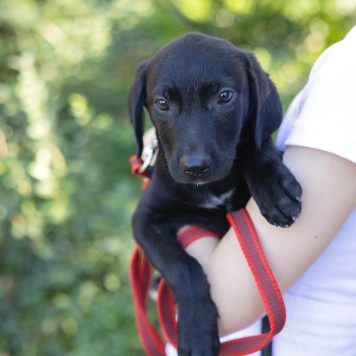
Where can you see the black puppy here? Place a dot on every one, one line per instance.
(213, 109)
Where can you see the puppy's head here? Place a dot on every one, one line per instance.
(204, 97)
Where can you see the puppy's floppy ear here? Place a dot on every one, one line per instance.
(265, 105)
(137, 100)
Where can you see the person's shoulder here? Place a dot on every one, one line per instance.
(340, 57)
(323, 114)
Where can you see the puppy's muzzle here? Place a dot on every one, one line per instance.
(196, 166)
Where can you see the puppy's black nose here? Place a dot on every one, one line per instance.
(195, 165)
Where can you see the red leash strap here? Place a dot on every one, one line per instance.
(140, 279)
(266, 283)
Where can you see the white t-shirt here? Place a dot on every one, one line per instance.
(321, 305)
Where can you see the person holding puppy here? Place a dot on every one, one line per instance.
(313, 260)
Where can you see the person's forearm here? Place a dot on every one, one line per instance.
(329, 195)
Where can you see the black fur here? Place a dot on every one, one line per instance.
(207, 148)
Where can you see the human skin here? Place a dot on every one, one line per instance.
(329, 196)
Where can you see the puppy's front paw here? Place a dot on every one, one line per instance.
(279, 198)
(198, 344)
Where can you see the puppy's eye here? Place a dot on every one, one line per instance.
(162, 104)
(225, 96)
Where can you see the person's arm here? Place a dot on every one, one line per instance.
(329, 195)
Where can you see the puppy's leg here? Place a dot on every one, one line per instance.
(272, 185)
(197, 313)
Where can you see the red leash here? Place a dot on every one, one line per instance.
(140, 278)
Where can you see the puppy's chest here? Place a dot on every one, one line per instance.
(210, 200)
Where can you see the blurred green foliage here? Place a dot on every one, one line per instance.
(65, 187)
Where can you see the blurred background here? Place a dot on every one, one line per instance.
(66, 192)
